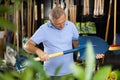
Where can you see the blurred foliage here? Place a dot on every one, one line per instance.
(4, 23)
(6, 9)
(114, 75)
(34, 70)
(89, 73)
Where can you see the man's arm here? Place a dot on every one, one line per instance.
(30, 47)
(75, 43)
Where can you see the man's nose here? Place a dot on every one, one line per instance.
(61, 25)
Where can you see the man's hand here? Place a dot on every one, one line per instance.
(43, 56)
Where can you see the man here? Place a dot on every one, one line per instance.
(58, 34)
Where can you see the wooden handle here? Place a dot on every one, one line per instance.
(115, 11)
(95, 5)
(108, 20)
(51, 55)
(101, 7)
(66, 10)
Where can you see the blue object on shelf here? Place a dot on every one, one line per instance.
(100, 45)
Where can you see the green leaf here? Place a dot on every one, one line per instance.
(89, 61)
(58, 69)
(115, 75)
(9, 75)
(17, 3)
(38, 67)
(1, 62)
(27, 74)
(7, 9)
(103, 73)
(5, 24)
(78, 72)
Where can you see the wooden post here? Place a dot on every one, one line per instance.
(29, 17)
(102, 7)
(66, 10)
(72, 12)
(86, 7)
(22, 18)
(108, 20)
(115, 11)
(34, 15)
(16, 21)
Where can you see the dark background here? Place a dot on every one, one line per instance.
(99, 21)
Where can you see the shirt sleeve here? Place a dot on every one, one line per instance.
(75, 33)
(38, 36)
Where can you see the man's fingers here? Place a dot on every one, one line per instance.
(45, 57)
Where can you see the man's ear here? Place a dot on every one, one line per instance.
(51, 22)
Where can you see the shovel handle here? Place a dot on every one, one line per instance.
(51, 55)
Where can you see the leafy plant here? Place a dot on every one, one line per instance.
(88, 73)
(34, 70)
(4, 23)
(114, 75)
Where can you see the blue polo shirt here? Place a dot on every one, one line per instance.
(55, 40)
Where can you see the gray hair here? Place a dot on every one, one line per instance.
(56, 13)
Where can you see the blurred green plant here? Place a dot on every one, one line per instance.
(34, 70)
(4, 23)
(9, 9)
(114, 75)
(89, 73)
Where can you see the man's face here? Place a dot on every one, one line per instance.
(59, 23)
